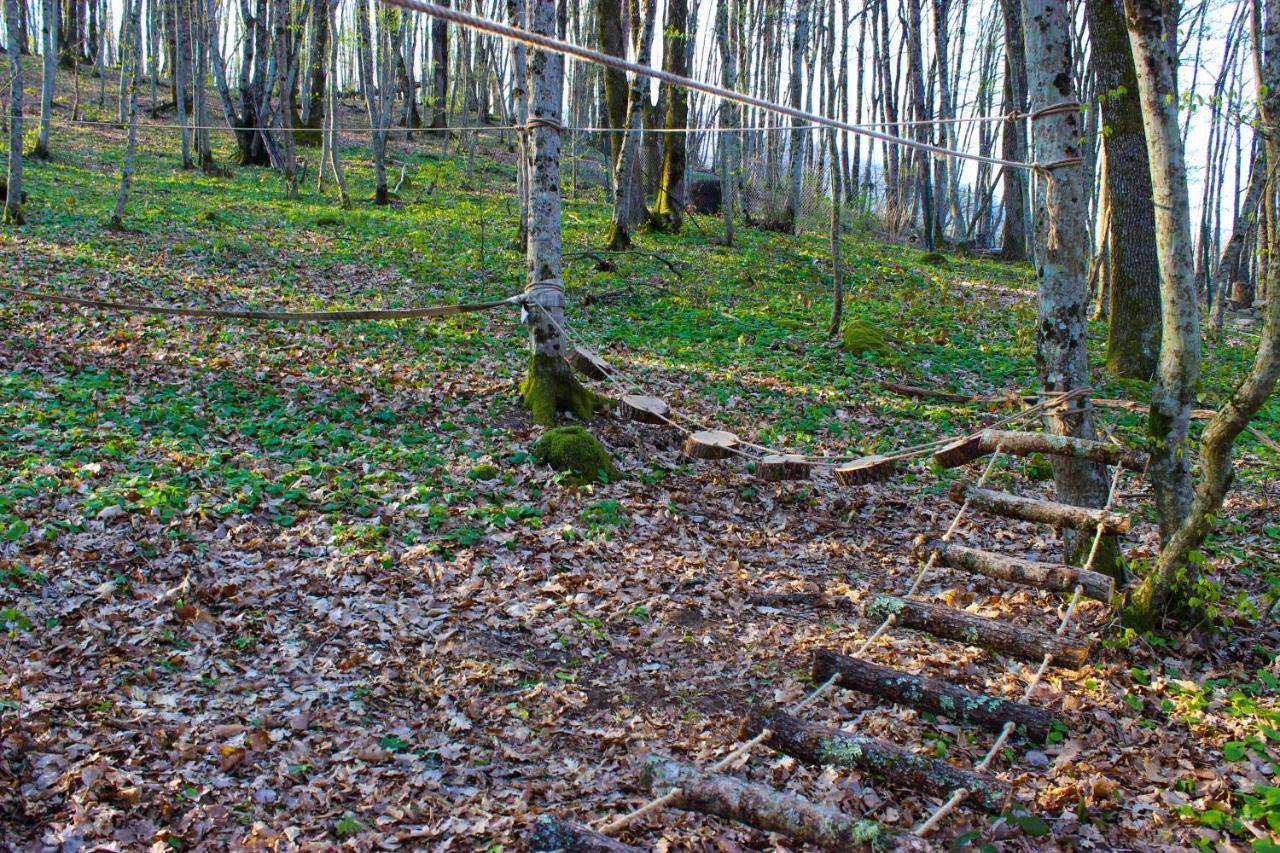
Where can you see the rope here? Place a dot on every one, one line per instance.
(555, 45)
(282, 316)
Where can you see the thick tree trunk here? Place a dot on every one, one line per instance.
(669, 207)
(628, 195)
(1158, 591)
(1013, 135)
(13, 178)
(920, 107)
(313, 107)
(284, 112)
(1062, 256)
(550, 386)
(440, 73)
(795, 91)
(181, 64)
(1133, 340)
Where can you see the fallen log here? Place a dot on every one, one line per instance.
(931, 695)
(824, 746)
(647, 410)
(1052, 577)
(926, 393)
(710, 444)
(776, 467)
(951, 624)
(587, 362)
(1037, 510)
(864, 471)
(759, 806)
(1021, 443)
(551, 834)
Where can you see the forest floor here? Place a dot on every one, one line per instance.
(256, 595)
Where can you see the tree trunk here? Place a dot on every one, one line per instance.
(1062, 255)
(284, 112)
(669, 207)
(520, 102)
(728, 149)
(628, 195)
(550, 386)
(795, 91)
(13, 179)
(1013, 138)
(313, 108)
(181, 60)
(1133, 340)
(440, 73)
(917, 73)
(1229, 264)
(334, 116)
(49, 49)
(133, 12)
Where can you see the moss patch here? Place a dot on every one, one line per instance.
(935, 259)
(862, 337)
(484, 472)
(551, 388)
(575, 451)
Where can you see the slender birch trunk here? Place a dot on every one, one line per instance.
(729, 148)
(134, 14)
(13, 181)
(49, 49)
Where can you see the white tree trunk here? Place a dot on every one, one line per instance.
(49, 45)
(13, 181)
(1062, 248)
(133, 15)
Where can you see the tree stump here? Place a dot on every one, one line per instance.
(930, 694)
(864, 471)
(587, 362)
(1051, 577)
(759, 807)
(1241, 298)
(1040, 511)
(959, 452)
(648, 410)
(550, 834)
(710, 444)
(824, 746)
(775, 467)
(951, 624)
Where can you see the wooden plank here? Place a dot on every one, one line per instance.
(551, 834)
(864, 471)
(760, 807)
(1041, 511)
(648, 410)
(1052, 577)
(776, 467)
(930, 694)
(587, 362)
(710, 444)
(824, 746)
(949, 623)
(1021, 443)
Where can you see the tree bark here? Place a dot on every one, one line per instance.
(728, 149)
(49, 49)
(13, 178)
(1013, 138)
(560, 836)
(799, 40)
(1062, 255)
(1051, 577)
(930, 694)
(1229, 266)
(827, 747)
(628, 194)
(550, 387)
(1039, 511)
(1133, 340)
(758, 806)
(440, 73)
(133, 12)
(669, 207)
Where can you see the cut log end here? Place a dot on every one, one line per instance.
(959, 452)
(710, 444)
(648, 410)
(587, 362)
(865, 471)
(775, 467)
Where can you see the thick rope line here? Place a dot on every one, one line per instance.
(555, 45)
(279, 316)
(959, 795)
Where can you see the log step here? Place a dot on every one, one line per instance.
(587, 362)
(551, 834)
(931, 694)
(710, 444)
(760, 807)
(949, 623)
(824, 746)
(647, 410)
(776, 467)
(1040, 511)
(1052, 577)
(868, 469)
(1021, 443)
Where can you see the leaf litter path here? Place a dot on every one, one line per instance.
(322, 631)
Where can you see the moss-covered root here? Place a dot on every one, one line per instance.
(617, 238)
(550, 388)
(575, 451)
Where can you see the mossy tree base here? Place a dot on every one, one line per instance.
(550, 388)
(617, 238)
(659, 221)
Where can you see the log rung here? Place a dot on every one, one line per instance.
(820, 745)
(552, 834)
(587, 362)
(648, 410)
(1051, 577)
(930, 694)
(949, 623)
(1022, 443)
(864, 471)
(1037, 510)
